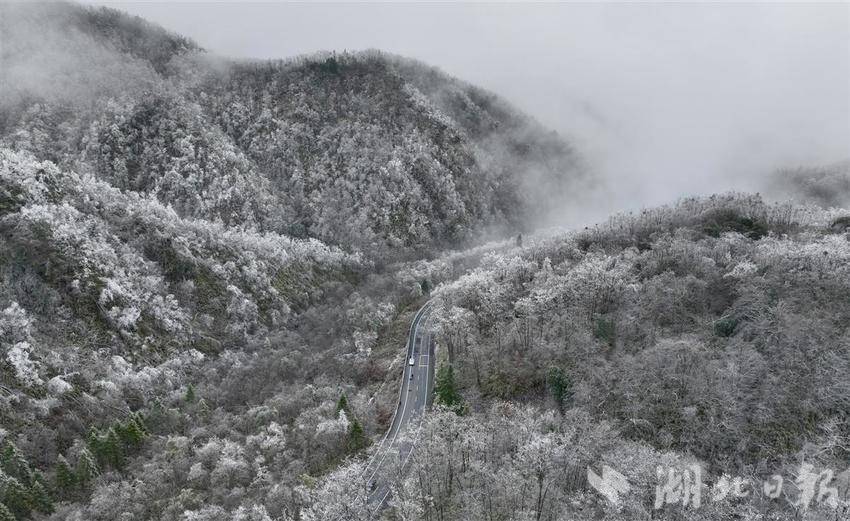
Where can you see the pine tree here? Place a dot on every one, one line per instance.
(190, 394)
(87, 468)
(445, 389)
(203, 408)
(342, 404)
(123, 440)
(38, 477)
(6, 514)
(559, 385)
(17, 498)
(95, 444)
(66, 482)
(356, 436)
(113, 451)
(40, 499)
(131, 434)
(15, 464)
(140, 422)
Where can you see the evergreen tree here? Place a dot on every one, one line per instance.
(203, 408)
(425, 286)
(15, 464)
(140, 422)
(87, 468)
(95, 444)
(342, 404)
(40, 499)
(122, 435)
(157, 417)
(446, 390)
(112, 449)
(131, 434)
(6, 514)
(190, 394)
(16, 497)
(606, 330)
(356, 436)
(38, 476)
(65, 479)
(559, 385)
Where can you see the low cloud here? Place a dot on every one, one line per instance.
(663, 100)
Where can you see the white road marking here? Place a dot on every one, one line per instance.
(404, 405)
(416, 319)
(409, 452)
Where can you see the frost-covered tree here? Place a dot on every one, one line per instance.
(66, 480)
(6, 514)
(342, 494)
(87, 468)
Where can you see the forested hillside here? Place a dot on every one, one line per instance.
(364, 150)
(710, 333)
(208, 268)
(198, 320)
(714, 331)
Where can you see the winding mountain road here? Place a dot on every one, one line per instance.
(417, 387)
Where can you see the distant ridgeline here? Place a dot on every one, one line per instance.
(366, 151)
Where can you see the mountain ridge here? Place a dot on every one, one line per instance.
(208, 268)
(365, 150)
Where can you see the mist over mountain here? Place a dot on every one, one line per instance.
(187, 238)
(62, 53)
(210, 269)
(363, 150)
(827, 186)
(663, 100)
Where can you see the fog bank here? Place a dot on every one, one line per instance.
(663, 100)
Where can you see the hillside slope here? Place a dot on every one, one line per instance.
(712, 332)
(361, 150)
(207, 268)
(195, 317)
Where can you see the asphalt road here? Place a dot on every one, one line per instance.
(417, 388)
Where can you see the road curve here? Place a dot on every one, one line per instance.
(417, 386)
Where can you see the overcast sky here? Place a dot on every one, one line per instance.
(664, 99)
